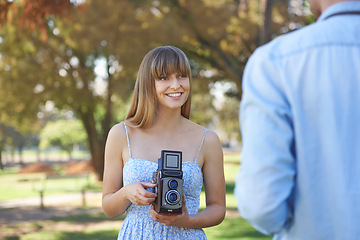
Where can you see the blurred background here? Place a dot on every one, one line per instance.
(67, 71)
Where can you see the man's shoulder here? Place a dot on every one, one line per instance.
(312, 37)
(291, 43)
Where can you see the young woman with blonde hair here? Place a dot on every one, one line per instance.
(158, 119)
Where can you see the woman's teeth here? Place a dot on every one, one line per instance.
(174, 94)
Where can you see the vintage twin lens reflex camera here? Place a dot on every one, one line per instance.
(169, 180)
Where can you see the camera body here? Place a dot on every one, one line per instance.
(169, 180)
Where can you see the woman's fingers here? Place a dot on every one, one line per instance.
(148, 184)
(143, 196)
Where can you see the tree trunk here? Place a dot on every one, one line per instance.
(97, 138)
(97, 159)
(70, 154)
(38, 154)
(21, 156)
(95, 143)
(266, 29)
(1, 161)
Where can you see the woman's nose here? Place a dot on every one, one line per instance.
(174, 82)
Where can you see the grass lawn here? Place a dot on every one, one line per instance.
(56, 235)
(55, 154)
(85, 226)
(29, 185)
(234, 228)
(98, 226)
(231, 228)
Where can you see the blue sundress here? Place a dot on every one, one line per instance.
(138, 223)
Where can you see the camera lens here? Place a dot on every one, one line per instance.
(172, 197)
(173, 184)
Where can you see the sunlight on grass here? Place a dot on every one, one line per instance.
(231, 166)
(29, 185)
(18, 187)
(47, 154)
(74, 235)
(231, 171)
(233, 227)
(232, 158)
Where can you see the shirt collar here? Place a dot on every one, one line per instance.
(342, 7)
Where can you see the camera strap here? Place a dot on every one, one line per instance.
(343, 13)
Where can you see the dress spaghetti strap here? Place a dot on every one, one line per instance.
(202, 141)
(127, 138)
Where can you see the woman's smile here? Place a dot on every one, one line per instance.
(175, 95)
(172, 90)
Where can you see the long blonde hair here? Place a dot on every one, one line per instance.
(160, 61)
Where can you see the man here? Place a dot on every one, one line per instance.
(300, 123)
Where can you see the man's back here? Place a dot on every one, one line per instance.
(300, 121)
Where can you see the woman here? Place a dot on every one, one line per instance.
(158, 119)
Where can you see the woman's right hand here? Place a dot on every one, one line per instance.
(137, 194)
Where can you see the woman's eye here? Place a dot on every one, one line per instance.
(182, 76)
(163, 78)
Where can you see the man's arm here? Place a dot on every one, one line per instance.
(266, 177)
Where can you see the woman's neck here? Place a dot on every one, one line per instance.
(168, 119)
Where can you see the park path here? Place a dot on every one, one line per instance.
(51, 200)
(28, 209)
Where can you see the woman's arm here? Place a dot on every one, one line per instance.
(214, 184)
(116, 197)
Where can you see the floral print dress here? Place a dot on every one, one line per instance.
(138, 223)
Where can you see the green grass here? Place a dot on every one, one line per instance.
(29, 185)
(17, 185)
(230, 171)
(232, 227)
(74, 235)
(230, 197)
(232, 158)
(55, 154)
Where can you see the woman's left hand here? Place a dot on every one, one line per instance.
(176, 220)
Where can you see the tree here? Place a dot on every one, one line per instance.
(2, 143)
(64, 134)
(15, 140)
(227, 40)
(64, 68)
(32, 15)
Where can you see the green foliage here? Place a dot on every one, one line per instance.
(102, 44)
(59, 170)
(62, 133)
(202, 108)
(229, 119)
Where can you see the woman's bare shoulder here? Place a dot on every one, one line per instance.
(212, 139)
(118, 128)
(194, 127)
(117, 132)
(210, 134)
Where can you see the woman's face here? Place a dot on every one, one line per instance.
(172, 91)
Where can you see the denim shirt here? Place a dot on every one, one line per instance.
(300, 124)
